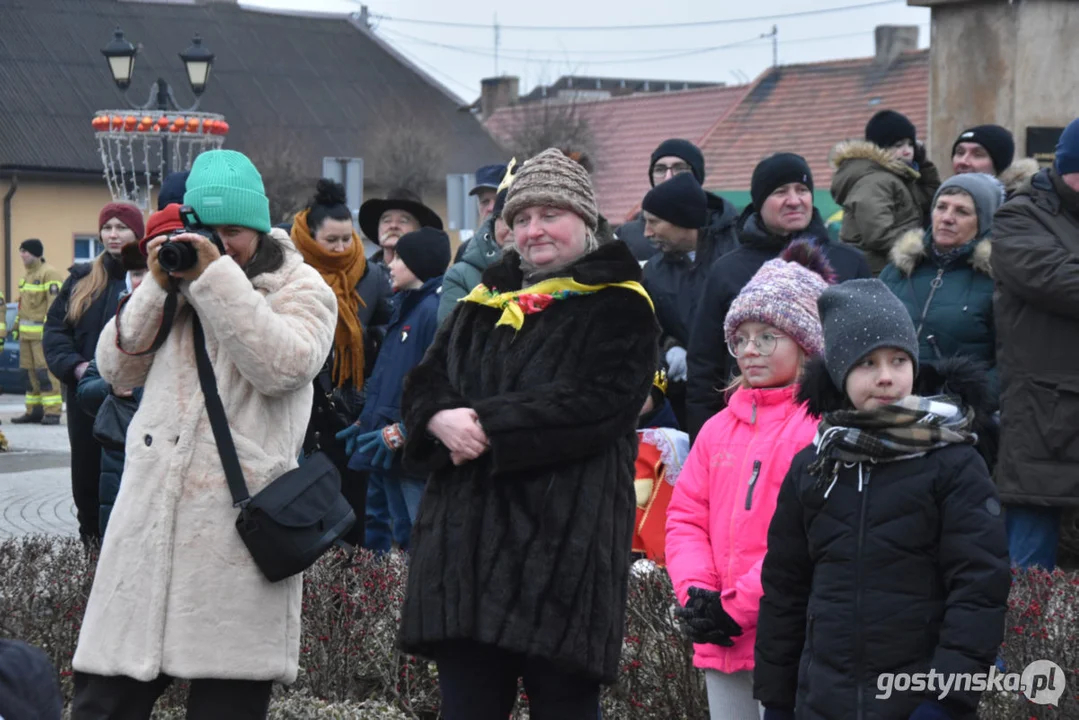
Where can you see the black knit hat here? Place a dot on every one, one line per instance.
(858, 317)
(888, 127)
(172, 189)
(775, 172)
(997, 141)
(678, 148)
(33, 246)
(680, 201)
(426, 252)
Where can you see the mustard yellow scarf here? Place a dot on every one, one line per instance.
(517, 304)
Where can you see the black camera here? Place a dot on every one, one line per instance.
(177, 256)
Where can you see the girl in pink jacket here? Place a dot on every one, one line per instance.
(717, 521)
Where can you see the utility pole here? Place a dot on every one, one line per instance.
(496, 44)
(775, 46)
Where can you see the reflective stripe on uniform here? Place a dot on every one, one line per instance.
(32, 400)
(52, 400)
(31, 330)
(39, 287)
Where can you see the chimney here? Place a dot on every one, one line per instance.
(498, 92)
(893, 40)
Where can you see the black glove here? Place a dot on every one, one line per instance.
(705, 621)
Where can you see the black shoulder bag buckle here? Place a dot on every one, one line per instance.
(295, 519)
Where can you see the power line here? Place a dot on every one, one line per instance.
(655, 26)
(546, 59)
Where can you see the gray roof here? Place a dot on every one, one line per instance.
(326, 82)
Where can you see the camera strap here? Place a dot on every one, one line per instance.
(162, 332)
(219, 423)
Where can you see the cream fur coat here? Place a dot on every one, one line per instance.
(176, 590)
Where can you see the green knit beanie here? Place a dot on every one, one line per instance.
(225, 188)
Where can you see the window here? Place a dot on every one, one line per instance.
(87, 247)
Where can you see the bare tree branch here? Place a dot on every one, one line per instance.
(546, 125)
(407, 153)
(289, 172)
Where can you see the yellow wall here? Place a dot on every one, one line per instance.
(54, 212)
(57, 211)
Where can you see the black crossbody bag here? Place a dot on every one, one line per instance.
(291, 522)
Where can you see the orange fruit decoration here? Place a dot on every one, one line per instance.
(192, 125)
(117, 122)
(130, 122)
(223, 127)
(162, 123)
(145, 123)
(208, 126)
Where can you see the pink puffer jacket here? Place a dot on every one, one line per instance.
(717, 521)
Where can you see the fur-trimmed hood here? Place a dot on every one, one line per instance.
(1018, 173)
(854, 159)
(911, 249)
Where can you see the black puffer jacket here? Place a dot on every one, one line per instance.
(66, 347)
(676, 283)
(722, 220)
(908, 574)
(527, 547)
(709, 363)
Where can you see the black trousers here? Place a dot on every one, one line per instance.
(85, 466)
(479, 682)
(98, 697)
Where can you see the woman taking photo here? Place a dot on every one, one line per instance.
(87, 301)
(524, 411)
(324, 235)
(177, 593)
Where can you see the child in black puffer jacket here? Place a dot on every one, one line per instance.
(887, 552)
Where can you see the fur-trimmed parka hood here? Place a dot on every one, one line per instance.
(1018, 173)
(959, 377)
(854, 159)
(912, 248)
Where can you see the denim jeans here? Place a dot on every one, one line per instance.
(392, 505)
(1033, 533)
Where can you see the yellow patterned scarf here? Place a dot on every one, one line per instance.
(515, 305)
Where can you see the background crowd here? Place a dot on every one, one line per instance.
(721, 392)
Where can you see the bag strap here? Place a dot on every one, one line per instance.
(162, 332)
(219, 422)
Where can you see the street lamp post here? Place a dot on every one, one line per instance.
(120, 55)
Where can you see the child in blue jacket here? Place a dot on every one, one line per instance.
(374, 440)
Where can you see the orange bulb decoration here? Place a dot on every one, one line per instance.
(162, 123)
(145, 123)
(130, 122)
(192, 125)
(223, 128)
(208, 126)
(117, 122)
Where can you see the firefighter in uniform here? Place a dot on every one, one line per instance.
(37, 290)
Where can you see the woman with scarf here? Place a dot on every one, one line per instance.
(524, 413)
(887, 552)
(325, 236)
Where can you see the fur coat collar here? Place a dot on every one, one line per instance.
(912, 248)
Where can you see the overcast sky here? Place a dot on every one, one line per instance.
(539, 56)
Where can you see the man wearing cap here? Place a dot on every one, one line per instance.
(990, 149)
(488, 179)
(671, 158)
(675, 216)
(37, 290)
(386, 220)
(1035, 263)
(780, 213)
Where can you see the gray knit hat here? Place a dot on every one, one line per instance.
(985, 190)
(551, 179)
(858, 317)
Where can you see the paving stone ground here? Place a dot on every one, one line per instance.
(35, 477)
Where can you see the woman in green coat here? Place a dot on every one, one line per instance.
(943, 275)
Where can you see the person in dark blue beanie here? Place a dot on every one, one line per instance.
(172, 189)
(1067, 159)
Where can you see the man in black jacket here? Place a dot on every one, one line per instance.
(672, 158)
(781, 212)
(675, 213)
(1036, 264)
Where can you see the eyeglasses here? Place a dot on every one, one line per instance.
(660, 171)
(765, 344)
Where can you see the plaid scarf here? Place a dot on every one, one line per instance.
(906, 429)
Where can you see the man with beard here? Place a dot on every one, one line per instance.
(385, 221)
